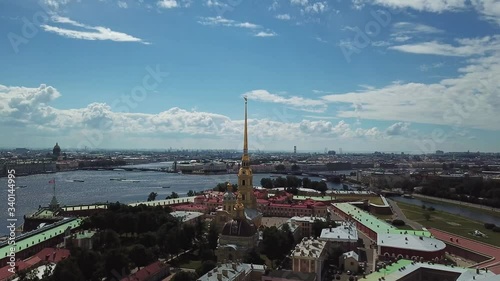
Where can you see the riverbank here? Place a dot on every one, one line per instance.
(448, 222)
(490, 210)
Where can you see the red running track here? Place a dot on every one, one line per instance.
(469, 244)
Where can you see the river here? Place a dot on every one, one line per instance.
(97, 187)
(454, 209)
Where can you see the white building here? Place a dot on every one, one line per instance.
(309, 256)
(234, 271)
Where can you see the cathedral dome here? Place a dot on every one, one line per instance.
(56, 150)
(239, 227)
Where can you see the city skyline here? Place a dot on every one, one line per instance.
(362, 75)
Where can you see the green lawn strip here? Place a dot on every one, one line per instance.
(187, 261)
(451, 223)
(486, 211)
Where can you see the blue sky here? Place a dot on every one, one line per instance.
(364, 75)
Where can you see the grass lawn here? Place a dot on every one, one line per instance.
(486, 211)
(451, 223)
(187, 261)
(376, 200)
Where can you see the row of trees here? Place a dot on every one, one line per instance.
(293, 182)
(485, 192)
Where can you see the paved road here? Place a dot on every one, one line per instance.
(400, 215)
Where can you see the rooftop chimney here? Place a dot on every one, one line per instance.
(219, 276)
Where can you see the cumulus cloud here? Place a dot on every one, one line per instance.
(397, 129)
(463, 48)
(30, 108)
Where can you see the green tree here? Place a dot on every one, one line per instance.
(427, 216)
(67, 270)
(295, 167)
(253, 257)
(174, 195)
(140, 255)
(191, 193)
(152, 196)
(116, 260)
(205, 267)
(280, 168)
(306, 183)
(184, 276)
(318, 226)
(212, 237)
(266, 183)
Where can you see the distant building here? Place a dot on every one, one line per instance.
(305, 224)
(188, 217)
(83, 239)
(56, 151)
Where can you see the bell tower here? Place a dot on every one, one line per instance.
(245, 175)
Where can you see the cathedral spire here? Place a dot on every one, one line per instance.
(245, 159)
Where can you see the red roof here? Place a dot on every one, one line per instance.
(146, 272)
(54, 255)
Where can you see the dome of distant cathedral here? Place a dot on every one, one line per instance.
(56, 150)
(239, 227)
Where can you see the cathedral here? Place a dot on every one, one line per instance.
(245, 188)
(239, 218)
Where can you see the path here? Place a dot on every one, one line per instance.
(400, 215)
(467, 243)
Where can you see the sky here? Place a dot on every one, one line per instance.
(358, 75)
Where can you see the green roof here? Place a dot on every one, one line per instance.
(387, 271)
(32, 238)
(375, 224)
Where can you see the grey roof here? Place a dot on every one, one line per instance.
(406, 241)
(230, 271)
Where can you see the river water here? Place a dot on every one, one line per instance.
(454, 209)
(97, 187)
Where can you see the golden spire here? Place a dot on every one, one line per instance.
(245, 159)
(229, 187)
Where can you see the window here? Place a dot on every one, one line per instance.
(243, 182)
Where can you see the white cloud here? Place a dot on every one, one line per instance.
(28, 109)
(468, 100)
(316, 8)
(265, 34)
(464, 48)
(274, 6)
(295, 102)
(397, 129)
(215, 3)
(283, 17)
(167, 4)
(425, 5)
(427, 67)
(299, 2)
(92, 33)
(220, 21)
(55, 4)
(122, 4)
(410, 28)
(490, 9)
